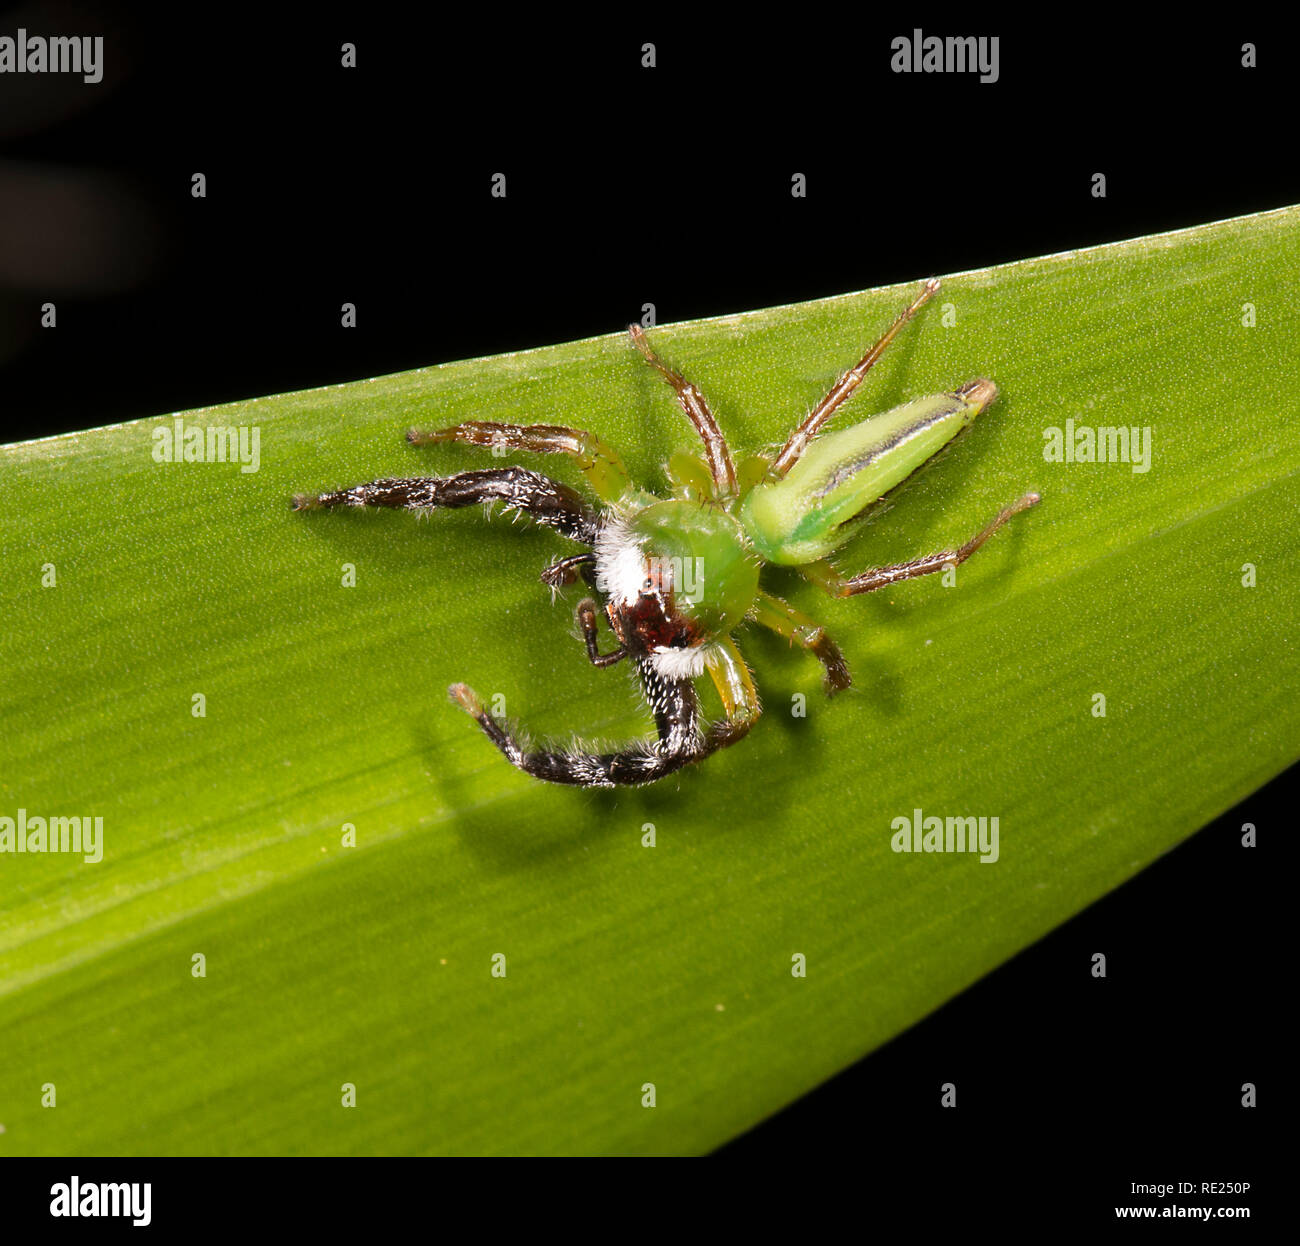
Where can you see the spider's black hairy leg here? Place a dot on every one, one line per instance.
(564, 571)
(587, 621)
(689, 398)
(545, 500)
(680, 743)
(837, 585)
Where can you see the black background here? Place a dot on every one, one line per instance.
(672, 185)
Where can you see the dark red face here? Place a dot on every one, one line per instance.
(652, 622)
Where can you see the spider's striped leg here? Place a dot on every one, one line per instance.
(680, 741)
(545, 500)
(840, 391)
(823, 574)
(689, 398)
(783, 619)
(602, 467)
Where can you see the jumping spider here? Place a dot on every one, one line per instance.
(677, 575)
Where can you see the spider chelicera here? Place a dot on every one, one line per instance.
(677, 575)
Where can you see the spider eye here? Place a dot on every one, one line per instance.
(649, 584)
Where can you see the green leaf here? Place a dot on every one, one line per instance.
(326, 709)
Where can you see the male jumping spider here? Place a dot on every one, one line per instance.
(677, 575)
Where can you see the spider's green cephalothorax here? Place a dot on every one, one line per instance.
(692, 561)
(679, 575)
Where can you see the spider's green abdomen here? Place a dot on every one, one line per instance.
(714, 569)
(800, 519)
